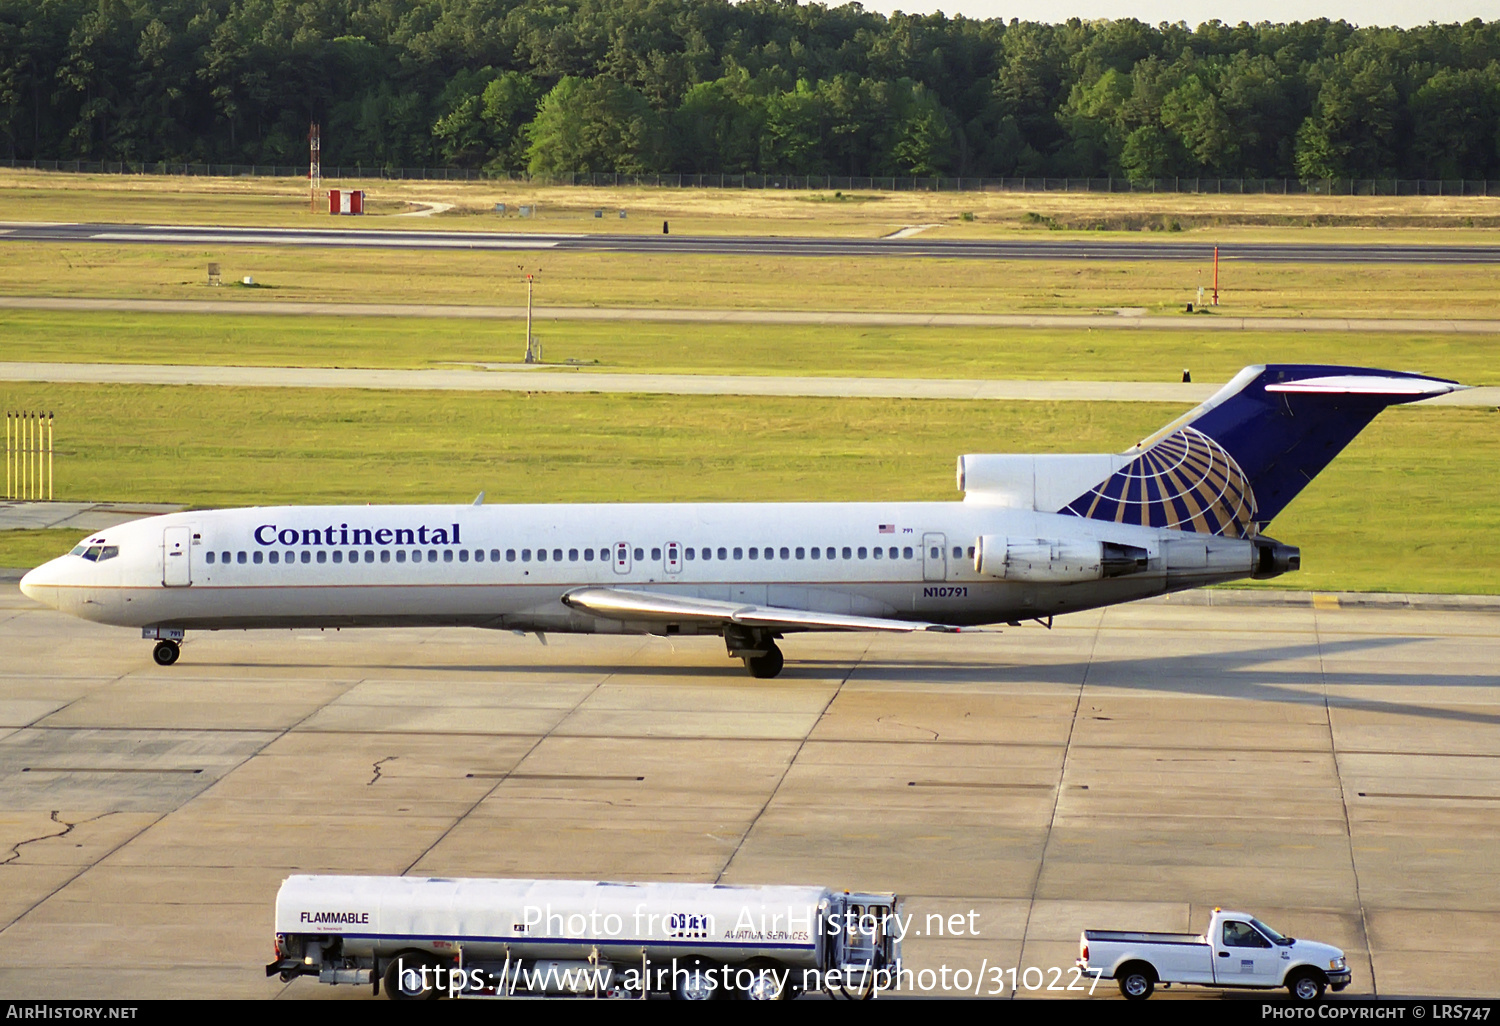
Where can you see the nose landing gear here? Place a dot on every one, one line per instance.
(168, 643)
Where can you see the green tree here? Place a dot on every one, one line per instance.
(923, 143)
(1353, 131)
(597, 124)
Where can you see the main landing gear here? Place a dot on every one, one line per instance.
(757, 648)
(166, 652)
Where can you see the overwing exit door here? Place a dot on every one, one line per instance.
(934, 557)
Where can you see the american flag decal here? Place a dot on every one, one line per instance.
(887, 528)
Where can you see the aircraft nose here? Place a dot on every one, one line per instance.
(37, 584)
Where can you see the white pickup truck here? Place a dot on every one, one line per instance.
(1237, 950)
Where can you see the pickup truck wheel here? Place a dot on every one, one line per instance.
(1137, 982)
(1307, 986)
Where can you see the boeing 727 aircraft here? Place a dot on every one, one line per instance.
(1034, 536)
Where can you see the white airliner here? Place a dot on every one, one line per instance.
(1034, 536)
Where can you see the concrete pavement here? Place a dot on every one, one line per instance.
(1335, 771)
(16, 515)
(1125, 319)
(519, 378)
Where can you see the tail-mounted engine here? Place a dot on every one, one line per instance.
(1055, 561)
(1272, 559)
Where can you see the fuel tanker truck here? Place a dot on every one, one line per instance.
(423, 938)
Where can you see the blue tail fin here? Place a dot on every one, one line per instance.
(1231, 465)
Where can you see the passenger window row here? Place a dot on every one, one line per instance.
(706, 554)
(816, 552)
(354, 556)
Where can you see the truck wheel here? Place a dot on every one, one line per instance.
(405, 980)
(1307, 986)
(1137, 982)
(770, 983)
(700, 981)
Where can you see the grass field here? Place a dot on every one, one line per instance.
(42, 196)
(664, 347)
(747, 283)
(1413, 505)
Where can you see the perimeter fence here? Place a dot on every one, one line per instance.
(808, 183)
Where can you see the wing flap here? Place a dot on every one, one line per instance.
(628, 604)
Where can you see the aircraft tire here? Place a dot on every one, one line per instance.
(766, 666)
(166, 653)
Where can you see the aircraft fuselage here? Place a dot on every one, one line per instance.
(510, 566)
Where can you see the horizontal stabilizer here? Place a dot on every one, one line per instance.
(1402, 389)
(629, 605)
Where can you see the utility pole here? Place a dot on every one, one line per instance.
(314, 165)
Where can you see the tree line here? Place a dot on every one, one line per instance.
(762, 86)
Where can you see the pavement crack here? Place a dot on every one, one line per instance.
(786, 771)
(376, 768)
(1062, 776)
(1338, 769)
(67, 828)
(909, 726)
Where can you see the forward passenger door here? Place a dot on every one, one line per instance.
(176, 557)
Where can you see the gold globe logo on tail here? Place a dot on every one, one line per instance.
(1185, 482)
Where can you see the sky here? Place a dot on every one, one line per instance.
(1405, 13)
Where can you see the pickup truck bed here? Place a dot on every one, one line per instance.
(1141, 937)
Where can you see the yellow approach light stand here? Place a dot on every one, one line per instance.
(28, 455)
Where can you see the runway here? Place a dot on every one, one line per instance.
(538, 378)
(1334, 770)
(728, 245)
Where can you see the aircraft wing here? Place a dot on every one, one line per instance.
(628, 604)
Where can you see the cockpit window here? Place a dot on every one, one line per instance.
(92, 553)
(78, 551)
(109, 552)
